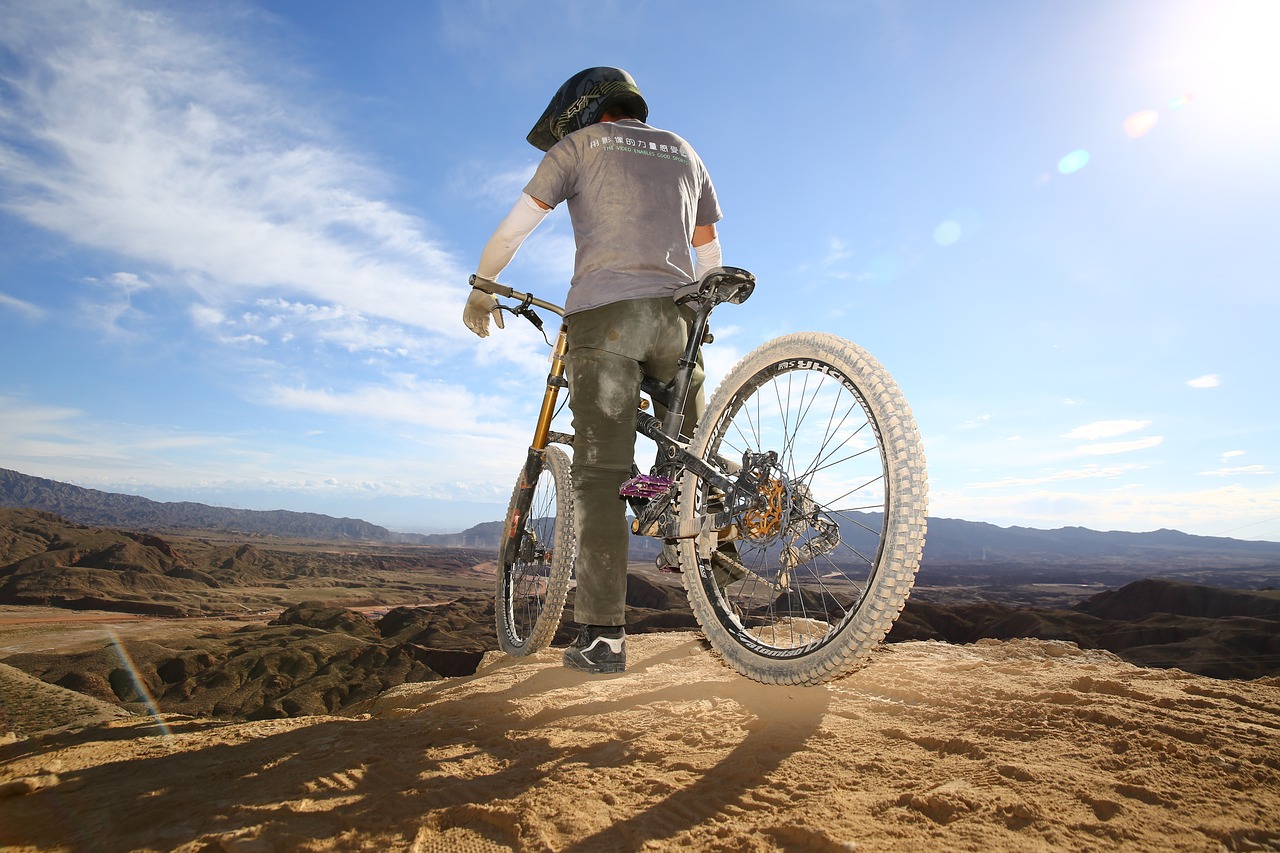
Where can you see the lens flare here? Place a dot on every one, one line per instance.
(1180, 101)
(947, 233)
(141, 693)
(1073, 162)
(1140, 123)
(963, 223)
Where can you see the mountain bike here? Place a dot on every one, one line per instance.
(795, 514)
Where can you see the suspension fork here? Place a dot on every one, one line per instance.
(555, 381)
(537, 449)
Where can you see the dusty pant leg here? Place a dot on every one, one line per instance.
(604, 389)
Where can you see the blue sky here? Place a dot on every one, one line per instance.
(235, 237)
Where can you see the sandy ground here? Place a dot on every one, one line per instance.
(1022, 745)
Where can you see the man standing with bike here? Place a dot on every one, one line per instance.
(639, 198)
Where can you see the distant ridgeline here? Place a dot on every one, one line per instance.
(950, 542)
(108, 509)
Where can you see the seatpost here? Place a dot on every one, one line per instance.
(674, 421)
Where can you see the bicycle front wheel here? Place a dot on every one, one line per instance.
(800, 588)
(536, 558)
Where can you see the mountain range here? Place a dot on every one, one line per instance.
(951, 542)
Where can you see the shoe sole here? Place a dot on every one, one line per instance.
(594, 668)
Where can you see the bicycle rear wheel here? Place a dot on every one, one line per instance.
(799, 590)
(536, 558)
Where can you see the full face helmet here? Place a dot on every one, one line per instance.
(582, 101)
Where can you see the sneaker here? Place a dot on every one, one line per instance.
(598, 649)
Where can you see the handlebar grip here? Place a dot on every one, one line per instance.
(489, 286)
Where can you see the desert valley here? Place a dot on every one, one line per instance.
(238, 689)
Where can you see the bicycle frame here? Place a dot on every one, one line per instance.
(795, 511)
(729, 284)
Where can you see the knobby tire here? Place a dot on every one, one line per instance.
(801, 590)
(535, 570)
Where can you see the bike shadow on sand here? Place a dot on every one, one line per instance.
(475, 760)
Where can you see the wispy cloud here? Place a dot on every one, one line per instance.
(22, 308)
(1108, 448)
(499, 189)
(1088, 472)
(477, 462)
(182, 144)
(146, 133)
(109, 307)
(435, 405)
(1105, 429)
(1213, 512)
(1209, 380)
(1235, 472)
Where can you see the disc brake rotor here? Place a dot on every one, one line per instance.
(764, 522)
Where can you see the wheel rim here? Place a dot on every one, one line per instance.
(528, 576)
(808, 556)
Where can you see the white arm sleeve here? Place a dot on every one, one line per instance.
(706, 257)
(502, 246)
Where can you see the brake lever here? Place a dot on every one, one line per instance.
(524, 310)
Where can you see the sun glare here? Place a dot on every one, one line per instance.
(1240, 67)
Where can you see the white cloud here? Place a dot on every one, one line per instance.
(1209, 380)
(1111, 447)
(502, 188)
(837, 252)
(1233, 472)
(1105, 429)
(62, 441)
(145, 133)
(109, 305)
(70, 445)
(1230, 454)
(436, 405)
(1088, 472)
(26, 309)
(1210, 512)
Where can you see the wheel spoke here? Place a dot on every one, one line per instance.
(812, 552)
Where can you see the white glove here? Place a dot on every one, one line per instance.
(480, 306)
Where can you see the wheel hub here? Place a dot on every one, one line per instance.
(764, 521)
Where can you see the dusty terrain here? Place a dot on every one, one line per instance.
(1017, 745)
(987, 744)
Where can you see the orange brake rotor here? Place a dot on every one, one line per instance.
(764, 522)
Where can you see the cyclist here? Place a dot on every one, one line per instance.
(639, 197)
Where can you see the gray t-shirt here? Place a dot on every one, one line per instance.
(635, 193)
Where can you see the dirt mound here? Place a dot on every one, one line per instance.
(326, 617)
(999, 746)
(29, 706)
(1143, 598)
(312, 659)
(1158, 623)
(49, 561)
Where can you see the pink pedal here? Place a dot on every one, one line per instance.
(644, 486)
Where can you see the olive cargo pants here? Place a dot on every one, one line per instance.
(610, 350)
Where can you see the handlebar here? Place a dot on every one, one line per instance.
(526, 299)
(717, 286)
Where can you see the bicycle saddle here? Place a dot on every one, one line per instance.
(720, 284)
